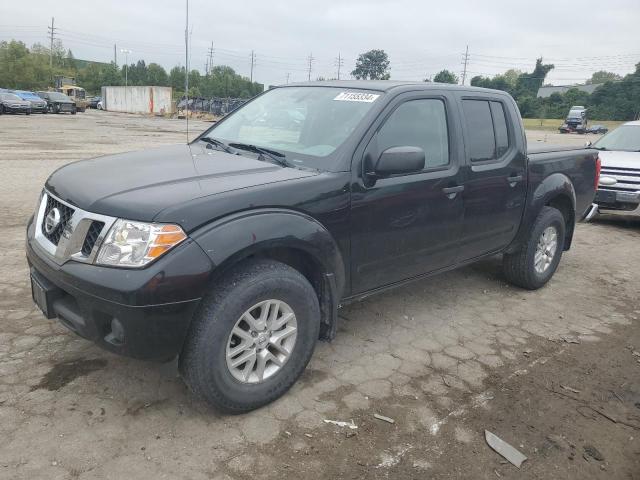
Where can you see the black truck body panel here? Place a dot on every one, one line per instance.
(359, 236)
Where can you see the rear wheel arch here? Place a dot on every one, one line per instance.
(555, 191)
(563, 203)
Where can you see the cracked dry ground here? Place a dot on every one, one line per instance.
(445, 357)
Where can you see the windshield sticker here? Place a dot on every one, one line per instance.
(356, 97)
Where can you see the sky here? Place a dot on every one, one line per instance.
(420, 37)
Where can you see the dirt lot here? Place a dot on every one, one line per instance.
(446, 358)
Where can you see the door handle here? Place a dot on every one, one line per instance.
(514, 179)
(451, 192)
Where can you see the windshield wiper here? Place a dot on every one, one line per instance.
(601, 148)
(217, 143)
(274, 155)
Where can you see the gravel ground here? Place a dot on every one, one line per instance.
(445, 358)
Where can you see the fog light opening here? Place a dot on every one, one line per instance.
(116, 337)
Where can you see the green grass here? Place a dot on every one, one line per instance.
(552, 124)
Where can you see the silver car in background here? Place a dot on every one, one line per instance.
(619, 188)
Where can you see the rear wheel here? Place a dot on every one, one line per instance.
(537, 260)
(252, 337)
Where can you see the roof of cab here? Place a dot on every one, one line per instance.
(388, 85)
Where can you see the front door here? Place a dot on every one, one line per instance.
(407, 225)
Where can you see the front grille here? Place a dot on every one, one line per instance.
(65, 216)
(92, 236)
(628, 179)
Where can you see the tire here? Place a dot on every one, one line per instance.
(520, 267)
(28, 112)
(74, 111)
(203, 361)
(1, 109)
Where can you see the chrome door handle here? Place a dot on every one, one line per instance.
(514, 179)
(451, 192)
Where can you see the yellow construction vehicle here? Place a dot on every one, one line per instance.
(67, 85)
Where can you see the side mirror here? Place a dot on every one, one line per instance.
(399, 160)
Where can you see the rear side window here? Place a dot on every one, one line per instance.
(500, 128)
(487, 131)
(482, 143)
(418, 123)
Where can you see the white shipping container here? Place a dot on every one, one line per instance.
(138, 99)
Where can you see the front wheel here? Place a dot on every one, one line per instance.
(252, 336)
(534, 264)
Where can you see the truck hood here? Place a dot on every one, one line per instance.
(620, 159)
(139, 185)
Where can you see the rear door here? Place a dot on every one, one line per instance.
(406, 225)
(494, 174)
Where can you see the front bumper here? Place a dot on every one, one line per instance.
(618, 203)
(143, 313)
(10, 109)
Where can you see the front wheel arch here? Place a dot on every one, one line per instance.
(286, 236)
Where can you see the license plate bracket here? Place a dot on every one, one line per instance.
(603, 196)
(43, 297)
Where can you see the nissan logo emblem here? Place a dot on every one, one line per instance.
(52, 220)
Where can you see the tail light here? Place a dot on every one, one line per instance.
(598, 168)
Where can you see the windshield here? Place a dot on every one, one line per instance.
(307, 121)
(59, 97)
(10, 96)
(625, 138)
(28, 96)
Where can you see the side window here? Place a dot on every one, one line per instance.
(418, 123)
(477, 117)
(500, 127)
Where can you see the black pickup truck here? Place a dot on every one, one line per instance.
(234, 252)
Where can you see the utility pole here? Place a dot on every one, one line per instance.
(52, 32)
(210, 59)
(126, 65)
(186, 64)
(465, 61)
(115, 55)
(310, 59)
(253, 61)
(339, 64)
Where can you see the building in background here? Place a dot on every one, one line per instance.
(138, 99)
(548, 90)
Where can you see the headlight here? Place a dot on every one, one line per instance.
(135, 244)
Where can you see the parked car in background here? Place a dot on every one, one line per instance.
(58, 102)
(600, 129)
(11, 103)
(38, 105)
(93, 102)
(576, 120)
(235, 251)
(619, 187)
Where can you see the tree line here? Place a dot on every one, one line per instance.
(617, 98)
(34, 68)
